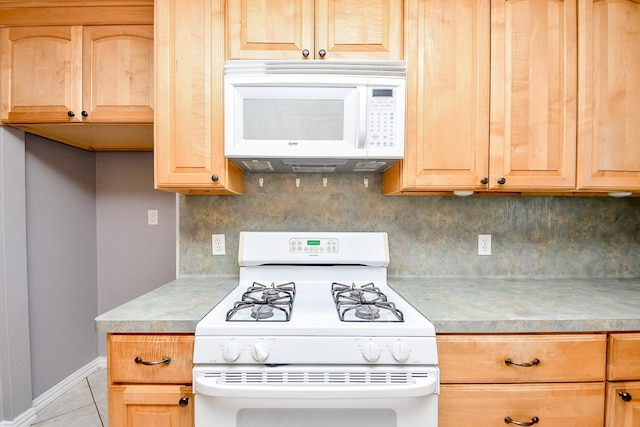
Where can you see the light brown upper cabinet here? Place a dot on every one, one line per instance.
(320, 29)
(609, 112)
(57, 75)
(189, 120)
(492, 86)
(447, 127)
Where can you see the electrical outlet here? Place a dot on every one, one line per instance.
(217, 244)
(484, 244)
(152, 217)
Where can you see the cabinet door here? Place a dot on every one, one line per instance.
(118, 74)
(150, 406)
(533, 94)
(554, 405)
(188, 124)
(609, 151)
(270, 30)
(359, 29)
(41, 74)
(447, 134)
(623, 404)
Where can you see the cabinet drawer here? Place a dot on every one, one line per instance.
(553, 358)
(623, 354)
(555, 405)
(155, 359)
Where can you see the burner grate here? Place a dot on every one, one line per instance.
(264, 303)
(364, 303)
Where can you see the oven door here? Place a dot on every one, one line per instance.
(316, 396)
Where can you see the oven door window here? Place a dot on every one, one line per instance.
(316, 417)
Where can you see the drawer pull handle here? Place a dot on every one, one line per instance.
(625, 396)
(164, 361)
(534, 362)
(534, 420)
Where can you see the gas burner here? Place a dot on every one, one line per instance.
(261, 311)
(353, 293)
(369, 311)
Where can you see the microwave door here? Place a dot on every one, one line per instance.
(291, 121)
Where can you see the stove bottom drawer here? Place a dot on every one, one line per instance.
(548, 405)
(307, 412)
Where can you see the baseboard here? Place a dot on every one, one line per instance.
(25, 419)
(68, 383)
(29, 416)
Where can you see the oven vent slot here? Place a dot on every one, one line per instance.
(315, 377)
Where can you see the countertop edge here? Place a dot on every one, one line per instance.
(454, 306)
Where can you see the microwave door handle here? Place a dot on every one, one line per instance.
(418, 388)
(362, 117)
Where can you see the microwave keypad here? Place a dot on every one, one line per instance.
(381, 121)
(381, 129)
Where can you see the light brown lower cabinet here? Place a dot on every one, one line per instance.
(623, 380)
(548, 405)
(149, 380)
(542, 380)
(151, 406)
(623, 404)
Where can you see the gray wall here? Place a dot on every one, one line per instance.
(133, 257)
(61, 254)
(74, 242)
(428, 236)
(15, 368)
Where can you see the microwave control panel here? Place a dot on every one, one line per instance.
(381, 117)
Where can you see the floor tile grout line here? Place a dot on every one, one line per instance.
(95, 404)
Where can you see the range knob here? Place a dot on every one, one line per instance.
(400, 352)
(260, 352)
(371, 351)
(231, 351)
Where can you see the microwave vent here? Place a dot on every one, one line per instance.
(258, 165)
(368, 166)
(301, 67)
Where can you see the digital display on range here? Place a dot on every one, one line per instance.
(313, 242)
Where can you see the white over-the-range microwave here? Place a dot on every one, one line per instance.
(314, 116)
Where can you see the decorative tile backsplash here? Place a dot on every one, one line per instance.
(430, 236)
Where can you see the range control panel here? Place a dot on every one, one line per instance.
(307, 245)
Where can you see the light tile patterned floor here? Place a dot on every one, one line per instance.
(85, 405)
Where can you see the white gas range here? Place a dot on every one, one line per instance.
(314, 336)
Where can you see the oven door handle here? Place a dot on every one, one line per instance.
(420, 387)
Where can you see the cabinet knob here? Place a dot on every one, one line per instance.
(625, 396)
(509, 420)
(71, 114)
(84, 114)
(322, 53)
(502, 181)
(184, 402)
(305, 53)
(215, 178)
(484, 180)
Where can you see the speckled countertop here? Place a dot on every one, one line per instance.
(453, 305)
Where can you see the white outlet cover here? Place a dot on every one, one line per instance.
(484, 244)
